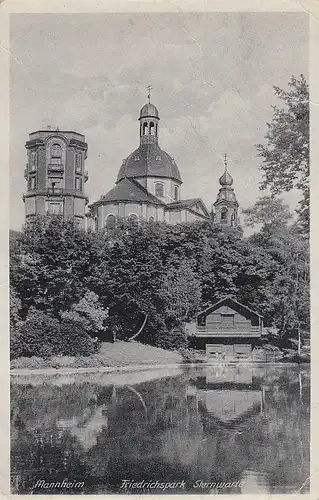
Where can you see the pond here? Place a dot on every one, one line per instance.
(227, 429)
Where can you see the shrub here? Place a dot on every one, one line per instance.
(38, 335)
(193, 356)
(174, 339)
(75, 340)
(44, 336)
(28, 363)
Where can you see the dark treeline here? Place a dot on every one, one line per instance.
(109, 282)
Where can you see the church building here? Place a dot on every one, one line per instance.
(149, 186)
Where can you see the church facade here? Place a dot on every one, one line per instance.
(149, 187)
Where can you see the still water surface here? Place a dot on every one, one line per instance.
(246, 427)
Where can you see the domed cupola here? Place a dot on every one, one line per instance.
(149, 111)
(149, 160)
(226, 179)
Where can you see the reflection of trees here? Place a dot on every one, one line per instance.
(153, 431)
(52, 455)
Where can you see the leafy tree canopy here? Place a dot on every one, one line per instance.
(285, 156)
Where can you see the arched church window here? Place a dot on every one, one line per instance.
(145, 128)
(152, 128)
(56, 154)
(133, 219)
(158, 158)
(159, 189)
(176, 193)
(136, 158)
(110, 221)
(224, 215)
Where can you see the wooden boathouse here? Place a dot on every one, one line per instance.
(226, 329)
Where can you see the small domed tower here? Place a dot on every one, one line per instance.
(150, 165)
(149, 124)
(226, 205)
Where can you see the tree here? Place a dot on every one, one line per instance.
(15, 308)
(49, 268)
(284, 289)
(180, 293)
(285, 157)
(268, 212)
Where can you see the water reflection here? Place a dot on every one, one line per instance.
(218, 429)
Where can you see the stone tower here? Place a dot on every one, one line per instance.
(55, 174)
(226, 205)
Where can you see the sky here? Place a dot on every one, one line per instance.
(212, 76)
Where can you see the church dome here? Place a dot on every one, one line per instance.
(149, 110)
(226, 179)
(149, 160)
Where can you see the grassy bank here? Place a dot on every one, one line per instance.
(109, 355)
(133, 353)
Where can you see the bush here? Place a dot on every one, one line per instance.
(38, 335)
(44, 336)
(171, 340)
(28, 363)
(193, 356)
(75, 340)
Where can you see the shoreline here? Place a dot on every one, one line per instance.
(133, 368)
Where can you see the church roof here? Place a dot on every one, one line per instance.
(129, 190)
(149, 160)
(191, 204)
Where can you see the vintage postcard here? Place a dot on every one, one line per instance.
(160, 170)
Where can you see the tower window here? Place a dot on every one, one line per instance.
(55, 208)
(176, 193)
(224, 215)
(136, 158)
(33, 183)
(159, 189)
(78, 183)
(152, 128)
(145, 128)
(78, 162)
(56, 154)
(158, 158)
(33, 160)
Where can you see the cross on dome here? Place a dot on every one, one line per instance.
(226, 179)
(149, 88)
